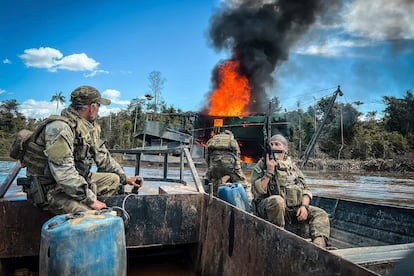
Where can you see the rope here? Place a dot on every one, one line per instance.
(125, 215)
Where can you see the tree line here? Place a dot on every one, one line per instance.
(347, 134)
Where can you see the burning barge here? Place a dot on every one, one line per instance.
(249, 131)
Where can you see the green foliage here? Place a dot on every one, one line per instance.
(362, 138)
(373, 141)
(399, 114)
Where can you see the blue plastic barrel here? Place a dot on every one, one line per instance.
(85, 243)
(234, 194)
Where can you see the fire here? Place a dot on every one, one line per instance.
(233, 91)
(247, 159)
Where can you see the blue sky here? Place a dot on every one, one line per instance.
(49, 46)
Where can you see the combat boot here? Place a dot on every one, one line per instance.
(319, 241)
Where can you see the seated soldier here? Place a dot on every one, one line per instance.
(282, 197)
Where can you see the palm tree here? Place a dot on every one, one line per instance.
(59, 99)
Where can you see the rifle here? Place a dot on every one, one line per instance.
(267, 134)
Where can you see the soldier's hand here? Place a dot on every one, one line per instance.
(136, 181)
(98, 205)
(270, 164)
(302, 213)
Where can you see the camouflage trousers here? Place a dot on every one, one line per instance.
(221, 166)
(274, 209)
(102, 184)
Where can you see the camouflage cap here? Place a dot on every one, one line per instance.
(85, 95)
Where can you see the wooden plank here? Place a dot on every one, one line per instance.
(194, 172)
(375, 254)
(176, 189)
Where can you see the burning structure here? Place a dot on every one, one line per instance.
(259, 35)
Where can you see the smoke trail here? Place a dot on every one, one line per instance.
(260, 34)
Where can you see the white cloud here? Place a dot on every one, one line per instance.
(107, 110)
(114, 95)
(7, 61)
(44, 57)
(254, 4)
(359, 24)
(43, 109)
(2, 91)
(380, 19)
(94, 73)
(77, 62)
(38, 109)
(53, 60)
(334, 47)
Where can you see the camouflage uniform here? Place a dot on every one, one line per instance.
(283, 197)
(71, 146)
(226, 161)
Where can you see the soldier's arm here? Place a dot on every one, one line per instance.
(104, 160)
(258, 179)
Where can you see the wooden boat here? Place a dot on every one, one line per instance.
(211, 237)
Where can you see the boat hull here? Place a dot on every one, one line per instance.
(221, 239)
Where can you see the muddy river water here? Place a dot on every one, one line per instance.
(375, 187)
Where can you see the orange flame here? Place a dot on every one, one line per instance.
(246, 159)
(233, 92)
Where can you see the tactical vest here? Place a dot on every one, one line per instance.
(34, 158)
(37, 163)
(223, 142)
(286, 184)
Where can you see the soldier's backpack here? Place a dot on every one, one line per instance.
(19, 146)
(22, 139)
(223, 141)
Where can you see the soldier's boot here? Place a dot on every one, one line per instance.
(320, 241)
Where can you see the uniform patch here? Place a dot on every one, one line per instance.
(58, 150)
(258, 170)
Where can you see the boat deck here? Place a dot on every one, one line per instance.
(218, 237)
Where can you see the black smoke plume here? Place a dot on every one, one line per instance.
(259, 34)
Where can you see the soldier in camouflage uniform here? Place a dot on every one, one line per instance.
(282, 197)
(66, 150)
(223, 159)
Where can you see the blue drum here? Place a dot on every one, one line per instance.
(85, 243)
(234, 194)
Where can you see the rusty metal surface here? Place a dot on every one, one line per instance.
(155, 220)
(160, 219)
(228, 241)
(237, 243)
(20, 228)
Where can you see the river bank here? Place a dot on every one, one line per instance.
(401, 165)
